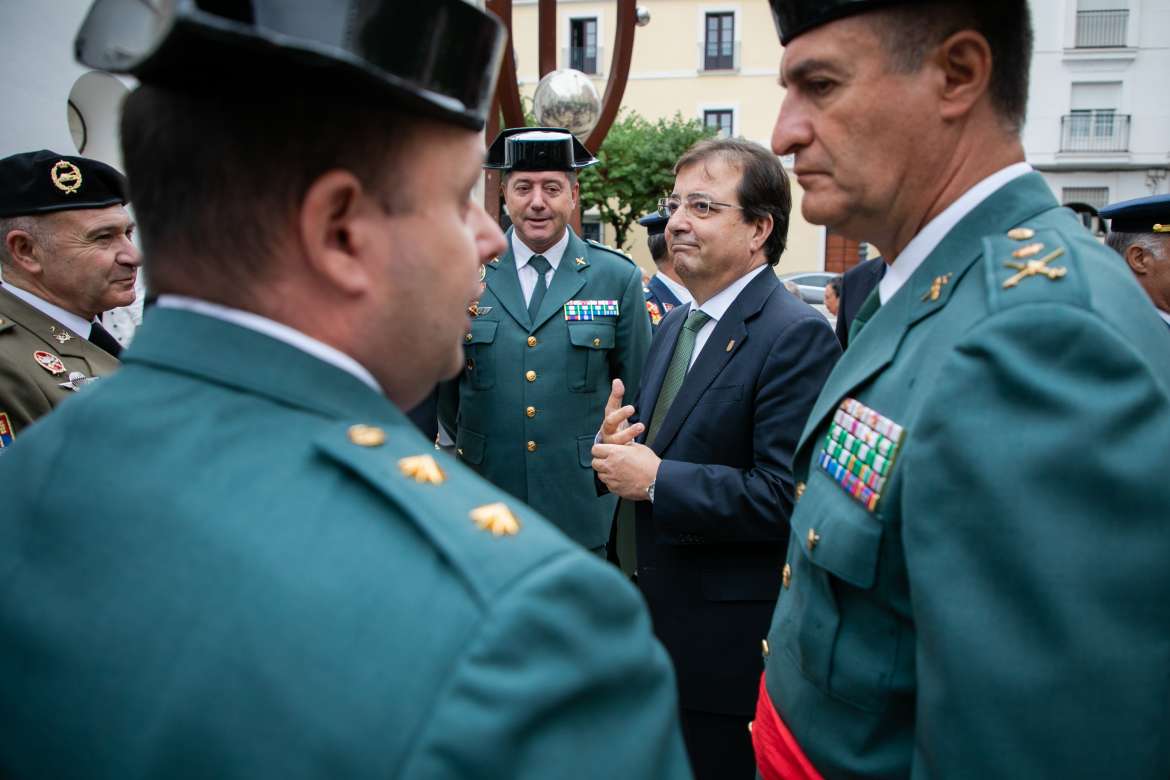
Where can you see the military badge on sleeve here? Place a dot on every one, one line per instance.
(859, 451)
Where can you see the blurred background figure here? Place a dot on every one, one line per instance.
(664, 290)
(833, 294)
(856, 285)
(1139, 230)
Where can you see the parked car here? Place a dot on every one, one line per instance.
(811, 284)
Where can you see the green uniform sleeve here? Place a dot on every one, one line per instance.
(563, 680)
(1039, 556)
(628, 358)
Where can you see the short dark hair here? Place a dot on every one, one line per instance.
(835, 283)
(219, 176)
(657, 245)
(763, 185)
(908, 32)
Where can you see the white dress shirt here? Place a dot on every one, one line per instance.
(920, 247)
(78, 325)
(1164, 315)
(276, 330)
(527, 273)
(717, 306)
(680, 292)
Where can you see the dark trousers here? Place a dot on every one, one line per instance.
(720, 746)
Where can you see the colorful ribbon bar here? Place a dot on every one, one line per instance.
(859, 451)
(587, 310)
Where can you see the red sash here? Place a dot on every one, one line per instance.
(778, 756)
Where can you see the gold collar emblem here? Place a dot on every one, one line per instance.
(1035, 268)
(936, 287)
(497, 519)
(422, 468)
(66, 176)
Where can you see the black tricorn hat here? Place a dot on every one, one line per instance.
(42, 182)
(654, 223)
(1140, 215)
(538, 149)
(439, 58)
(794, 17)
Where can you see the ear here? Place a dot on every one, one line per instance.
(1137, 259)
(575, 192)
(763, 228)
(22, 249)
(964, 63)
(336, 230)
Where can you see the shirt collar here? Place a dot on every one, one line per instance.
(554, 253)
(722, 300)
(276, 330)
(78, 325)
(680, 292)
(1164, 315)
(903, 267)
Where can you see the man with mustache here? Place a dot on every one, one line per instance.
(976, 579)
(66, 256)
(559, 319)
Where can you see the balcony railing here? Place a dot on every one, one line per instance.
(1094, 131)
(1101, 29)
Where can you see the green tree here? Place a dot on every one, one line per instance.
(636, 168)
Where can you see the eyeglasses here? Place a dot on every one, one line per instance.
(699, 207)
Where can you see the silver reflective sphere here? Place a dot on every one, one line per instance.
(643, 16)
(567, 98)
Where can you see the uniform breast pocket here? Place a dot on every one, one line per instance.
(479, 367)
(842, 640)
(591, 343)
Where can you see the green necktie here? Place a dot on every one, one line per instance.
(676, 372)
(541, 264)
(868, 308)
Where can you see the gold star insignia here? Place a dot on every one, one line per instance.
(497, 519)
(1020, 233)
(422, 468)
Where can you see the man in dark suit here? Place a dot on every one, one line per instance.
(705, 451)
(665, 290)
(856, 285)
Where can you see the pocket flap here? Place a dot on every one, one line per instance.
(482, 332)
(836, 533)
(594, 335)
(585, 450)
(469, 445)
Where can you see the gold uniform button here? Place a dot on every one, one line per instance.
(530, 411)
(459, 451)
(467, 337)
(764, 648)
(470, 365)
(367, 435)
(813, 539)
(799, 490)
(532, 341)
(750, 723)
(532, 446)
(597, 342)
(786, 576)
(530, 376)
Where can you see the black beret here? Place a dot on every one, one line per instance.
(44, 181)
(438, 58)
(654, 223)
(1140, 215)
(538, 149)
(794, 17)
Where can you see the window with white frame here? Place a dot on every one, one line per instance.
(583, 45)
(722, 119)
(719, 41)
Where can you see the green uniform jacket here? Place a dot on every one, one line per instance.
(27, 390)
(532, 395)
(261, 596)
(1002, 611)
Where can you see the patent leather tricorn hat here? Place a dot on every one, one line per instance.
(538, 149)
(438, 58)
(794, 17)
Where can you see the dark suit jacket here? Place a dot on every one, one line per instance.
(659, 299)
(711, 545)
(856, 285)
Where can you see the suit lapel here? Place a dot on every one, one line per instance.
(570, 277)
(729, 336)
(662, 292)
(661, 350)
(878, 342)
(504, 283)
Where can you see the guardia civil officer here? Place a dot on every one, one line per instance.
(976, 579)
(66, 257)
(559, 318)
(1139, 230)
(298, 585)
(665, 290)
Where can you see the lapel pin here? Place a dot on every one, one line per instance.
(730, 345)
(936, 287)
(580, 261)
(61, 336)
